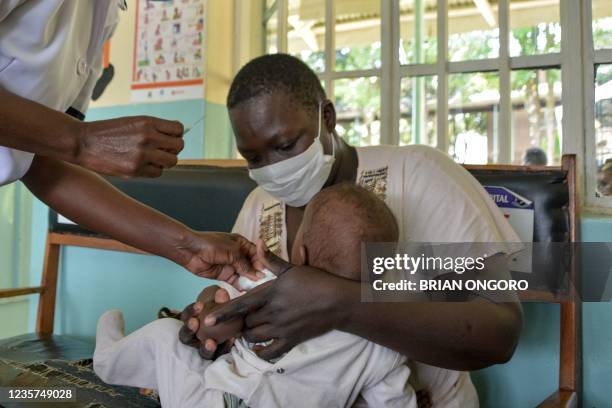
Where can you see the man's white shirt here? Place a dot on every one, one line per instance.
(434, 200)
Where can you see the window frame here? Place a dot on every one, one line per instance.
(577, 59)
(592, 58)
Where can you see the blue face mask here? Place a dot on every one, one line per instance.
(295, 180)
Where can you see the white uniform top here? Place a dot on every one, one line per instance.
(51, 53)
(434, 200)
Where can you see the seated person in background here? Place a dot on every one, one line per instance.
(604, 179)
(330, 370)
(535, 156)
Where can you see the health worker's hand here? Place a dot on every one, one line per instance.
(139, 146)
(219, 255)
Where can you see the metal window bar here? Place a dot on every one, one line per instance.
(390, 79)
(330, 46)
(269, 11)
(442, 67)
(502, 149)
(283, 26)
(267, 14)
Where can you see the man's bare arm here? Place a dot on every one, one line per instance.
(466, 335)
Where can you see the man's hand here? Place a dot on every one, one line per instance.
(139, 146)
(282, 310)
(299, 305)
(218, 255)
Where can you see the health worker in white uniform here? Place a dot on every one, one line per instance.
(50, 60)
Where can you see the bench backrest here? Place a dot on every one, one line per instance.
(208, 198)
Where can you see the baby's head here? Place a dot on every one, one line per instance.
(336, 221)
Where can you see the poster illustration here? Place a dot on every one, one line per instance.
(168, 50)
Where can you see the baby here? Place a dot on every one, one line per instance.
(334, 369)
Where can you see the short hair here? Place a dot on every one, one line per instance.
(534, 156)
(276, 73)
(339, 218)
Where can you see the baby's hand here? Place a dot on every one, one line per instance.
(207, 295)
(193, 318)
(223, 331)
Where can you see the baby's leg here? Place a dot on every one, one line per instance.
(150, 357)
(133, 360)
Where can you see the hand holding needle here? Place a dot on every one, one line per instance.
(194, 124)
(190, 128)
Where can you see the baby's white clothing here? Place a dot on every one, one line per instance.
(332, 370)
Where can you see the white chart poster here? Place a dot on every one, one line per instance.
(169, 50)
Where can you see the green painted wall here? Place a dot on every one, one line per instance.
(15, 208)
(14, 317)
(7, 234)
(188, 112)
(533, 372)
(211, 137)
(219, 140)
(597, 329)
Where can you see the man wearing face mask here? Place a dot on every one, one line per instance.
(295, 181)
(284, 128)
